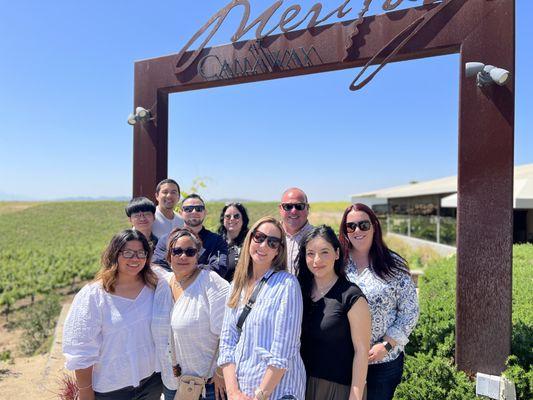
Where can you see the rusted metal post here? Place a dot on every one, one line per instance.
(485, 191)
(150, 139)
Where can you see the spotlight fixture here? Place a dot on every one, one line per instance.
(486, 74)
(141, 115)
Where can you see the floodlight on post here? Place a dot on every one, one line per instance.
(486, 74)
(141, 115)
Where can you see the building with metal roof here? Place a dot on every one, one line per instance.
(423, 207)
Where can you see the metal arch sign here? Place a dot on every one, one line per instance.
(261, 62)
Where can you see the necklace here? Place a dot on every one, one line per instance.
(183, 280)
(323, 291)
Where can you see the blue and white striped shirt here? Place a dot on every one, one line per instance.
(270, 337)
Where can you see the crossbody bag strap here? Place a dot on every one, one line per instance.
(249, 305)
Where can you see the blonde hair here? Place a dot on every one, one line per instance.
(108, 273)
(244, 270)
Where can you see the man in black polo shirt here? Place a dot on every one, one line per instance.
(214, 253)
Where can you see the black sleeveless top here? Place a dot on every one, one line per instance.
(327, 348)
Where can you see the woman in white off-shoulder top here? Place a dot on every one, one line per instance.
(108, 339)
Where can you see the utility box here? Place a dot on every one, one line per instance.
(495, 387)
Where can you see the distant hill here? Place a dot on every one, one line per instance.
(17, 197)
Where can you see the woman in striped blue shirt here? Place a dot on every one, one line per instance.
(262, 361)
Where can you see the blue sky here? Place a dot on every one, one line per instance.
(66, 88)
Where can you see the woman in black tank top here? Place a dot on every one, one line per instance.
(336, 321)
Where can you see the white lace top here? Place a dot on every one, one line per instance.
(113, 334)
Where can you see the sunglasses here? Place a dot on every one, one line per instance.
(272, 241)
(189, 252)
(190, 209)
(290, 206)
(133, 253)
(229, 216)
(233, 204)
(363, 225)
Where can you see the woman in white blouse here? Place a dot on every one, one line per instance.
(262, 360)
(196, 318)
(384, 278)
(107, 337)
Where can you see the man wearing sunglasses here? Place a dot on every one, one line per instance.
(214, 253)
(294, 210)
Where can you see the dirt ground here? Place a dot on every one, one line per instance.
(31, 377)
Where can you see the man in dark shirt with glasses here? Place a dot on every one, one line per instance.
(214, 253)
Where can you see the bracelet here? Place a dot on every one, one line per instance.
(219, 375)
(85, 387)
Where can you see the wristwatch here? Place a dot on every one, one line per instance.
(259, 394)
(387, 345)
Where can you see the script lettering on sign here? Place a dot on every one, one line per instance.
(211, 67)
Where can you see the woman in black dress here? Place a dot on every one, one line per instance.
(233, 228)
(336, 321)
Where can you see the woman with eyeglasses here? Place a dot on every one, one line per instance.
(199, 296)
(336, 323)
(233, 228)
(260, 339)
(108, 338)
(384, 278)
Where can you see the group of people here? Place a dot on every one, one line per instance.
(278, 310)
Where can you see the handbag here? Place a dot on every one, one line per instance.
(190, 387)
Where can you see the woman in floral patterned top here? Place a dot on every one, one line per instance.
(384, 278)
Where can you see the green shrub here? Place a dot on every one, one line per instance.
(448, 230)
(429, 374)
(522, 378)
(423, 227)
(431, 377)
(38, 324)
(435, 331)
(5, 356)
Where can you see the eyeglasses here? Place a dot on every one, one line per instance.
(140, 215)
(272, 241)
(133, 253)
(290, 206)
(234, 216)
(190, 209)
(189, 251)
(363, 225)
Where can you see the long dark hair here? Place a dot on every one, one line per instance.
(384, 262)
(108, 273)
(245, 220)
(305, 276)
